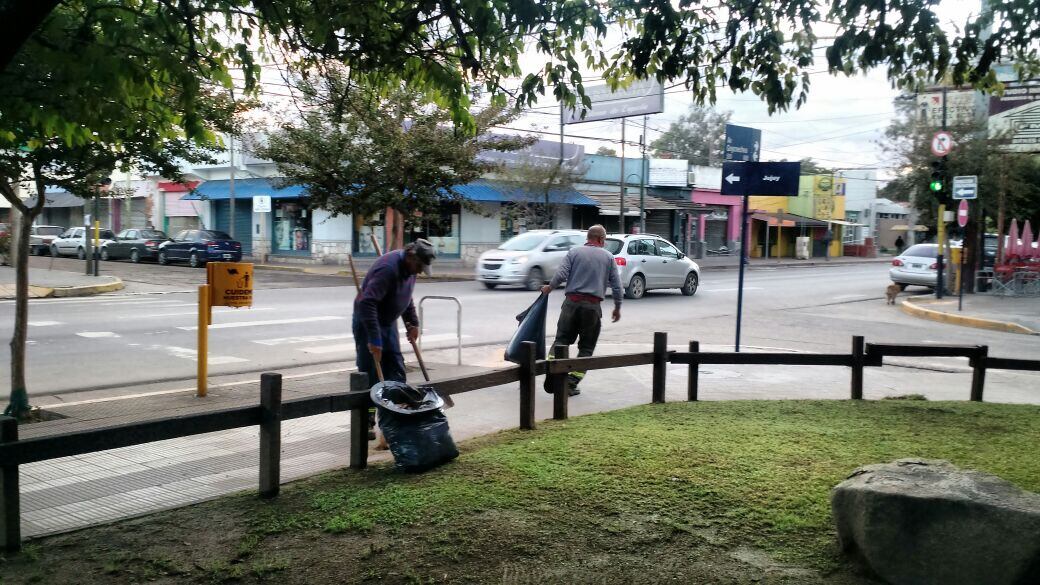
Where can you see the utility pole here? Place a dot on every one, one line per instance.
(941, 282)
(231, 186)
(642, 182)
(624, 179)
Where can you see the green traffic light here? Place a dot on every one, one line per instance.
(935, 185)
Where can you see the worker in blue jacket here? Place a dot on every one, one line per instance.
(385, 297)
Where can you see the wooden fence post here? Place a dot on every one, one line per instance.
(359, 424)
(558, 383)
(527, 385)
(270, 434)
(10, 504)
(660, 366)
(858, 360)
(978, 376)
(693, 374)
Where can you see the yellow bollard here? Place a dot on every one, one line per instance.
(203, 339)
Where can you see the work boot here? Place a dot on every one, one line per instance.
(572, 385)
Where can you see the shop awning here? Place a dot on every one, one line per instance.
(244, 189)
(608, 203)
(54, 199)
(841, 222)
(491, 192)
(789, 219)
(906, 228)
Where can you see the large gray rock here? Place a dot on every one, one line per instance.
(923, 522)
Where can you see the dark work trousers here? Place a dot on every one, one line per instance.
(579, 320)
(392, 362)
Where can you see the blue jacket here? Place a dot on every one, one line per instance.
(386, 294)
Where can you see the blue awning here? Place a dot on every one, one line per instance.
(244, 189)
(503, 192)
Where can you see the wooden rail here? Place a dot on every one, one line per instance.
(272, 410)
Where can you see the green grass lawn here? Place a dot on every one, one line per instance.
(709, 492)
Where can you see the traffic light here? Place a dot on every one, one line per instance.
(938, 181)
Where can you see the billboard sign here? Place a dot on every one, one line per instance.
(761, 178)
(668, 172)
(960, 106)
(742, 143)
(638, 99)
(1016, 114)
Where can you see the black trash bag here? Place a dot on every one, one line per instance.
(532, 328)
(414, 426)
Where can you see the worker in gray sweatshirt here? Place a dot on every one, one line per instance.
(587, 270)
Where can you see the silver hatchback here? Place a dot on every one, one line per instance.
(649, 262)
(529, 259)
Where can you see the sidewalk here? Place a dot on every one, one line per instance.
(982, 311)
(57, 283)
(74, 492)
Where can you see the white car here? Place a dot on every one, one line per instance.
(529, 259)
(649, 262)
(41, 237)
(917, 265)
(71, 243)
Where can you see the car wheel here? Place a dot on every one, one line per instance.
(81, 253)
(902, 286)
(54, 251)
(636, 287)
(163, 259)
(34, 251)
(194, 260)
(690, 286)
(135, 256)
(104, 254)
(490, 285)
(535, 279)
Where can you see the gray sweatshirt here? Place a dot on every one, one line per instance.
(587, 270)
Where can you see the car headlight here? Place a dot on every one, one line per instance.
(519, 260)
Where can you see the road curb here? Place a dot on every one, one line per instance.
(911, 307)
(752, 266)
(91, 289)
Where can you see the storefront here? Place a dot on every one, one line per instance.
(290, 227)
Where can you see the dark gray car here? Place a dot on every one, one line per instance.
(135, 244)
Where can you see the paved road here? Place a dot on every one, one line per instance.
(116, 340)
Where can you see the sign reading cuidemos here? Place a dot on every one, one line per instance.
(231, 284)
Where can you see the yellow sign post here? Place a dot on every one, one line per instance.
(229, 284)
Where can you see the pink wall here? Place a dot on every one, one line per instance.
(712, 197)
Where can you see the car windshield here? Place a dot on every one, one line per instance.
(49, 231)
(613, 246)
(922, 251)
(523, 242)
(214, 235)
(154, 234)
(105, 234)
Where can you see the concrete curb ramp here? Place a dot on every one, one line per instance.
(914, 308)
(87, 290)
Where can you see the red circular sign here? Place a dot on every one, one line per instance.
(962, 213)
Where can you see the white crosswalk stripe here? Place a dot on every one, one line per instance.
(303, 339)
(269, 322)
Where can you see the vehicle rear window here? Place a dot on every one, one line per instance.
(152, 234)
(613, 246)
(922, 251)
(214, 235)
(106, 234)
(49, 231)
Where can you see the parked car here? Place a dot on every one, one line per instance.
(529, 259)
(196, 247)
(4, 229)
(71, 242)
(41, 237)
(917, 265)
(135, 244)
(649, 262)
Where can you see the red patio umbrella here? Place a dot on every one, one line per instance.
(1012, 243)
(1027, 250)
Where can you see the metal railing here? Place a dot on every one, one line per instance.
(458, 322)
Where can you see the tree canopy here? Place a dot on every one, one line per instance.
(358, 151)
(699, 136)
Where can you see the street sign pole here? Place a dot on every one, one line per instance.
(962, 220)
(743, 261)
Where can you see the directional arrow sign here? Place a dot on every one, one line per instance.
(761, 178)
(966, 187)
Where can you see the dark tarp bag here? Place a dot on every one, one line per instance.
(532, 328)
(414, 426)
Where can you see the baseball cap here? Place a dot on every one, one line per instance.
(425, 252)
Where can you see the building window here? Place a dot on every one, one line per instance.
(291, 232)
(441, 228)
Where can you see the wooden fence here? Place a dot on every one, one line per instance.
(272, 410)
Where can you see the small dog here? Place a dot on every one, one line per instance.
(891, 292)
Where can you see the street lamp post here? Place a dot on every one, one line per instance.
(642, 213)
(94, 251)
